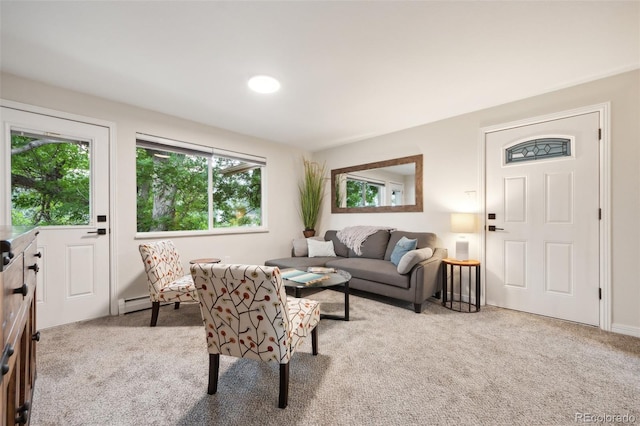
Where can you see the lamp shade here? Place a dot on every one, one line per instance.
(463, 223)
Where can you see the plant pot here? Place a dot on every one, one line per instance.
(309, 233)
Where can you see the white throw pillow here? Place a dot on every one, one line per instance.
(412, 258)
(320, 248)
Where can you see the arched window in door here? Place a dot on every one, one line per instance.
(537, 149)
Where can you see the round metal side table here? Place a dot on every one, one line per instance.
(449, 270)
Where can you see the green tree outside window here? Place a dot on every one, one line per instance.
(362, 194)
(50, 181)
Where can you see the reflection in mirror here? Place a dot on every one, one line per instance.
(385, 186)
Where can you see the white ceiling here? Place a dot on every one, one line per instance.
(349, 70)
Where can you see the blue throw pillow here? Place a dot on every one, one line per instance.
(403, 246)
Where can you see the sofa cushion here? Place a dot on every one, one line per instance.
(425, 239)
(338, 246)
(376, 270)
(320, 248)
(301, 263)
(375, 246)
(412, 258)
(403, 246)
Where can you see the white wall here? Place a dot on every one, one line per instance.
(282, 162)
(451, 150)
(451, 176)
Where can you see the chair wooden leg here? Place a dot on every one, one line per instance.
(155, 308)
(314, 340)
(214, 366)
(284, 386)
(177, 305)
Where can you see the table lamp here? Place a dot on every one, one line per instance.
(463, 223)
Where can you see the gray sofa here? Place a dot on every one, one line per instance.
(373, 271)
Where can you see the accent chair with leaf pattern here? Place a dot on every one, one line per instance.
(165, 275)
(247, 314)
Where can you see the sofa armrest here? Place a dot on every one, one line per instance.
(425, 276)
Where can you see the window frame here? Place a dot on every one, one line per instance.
(155, 142)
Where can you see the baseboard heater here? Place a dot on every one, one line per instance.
(133, 304)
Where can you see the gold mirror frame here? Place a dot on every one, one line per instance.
(417, 207)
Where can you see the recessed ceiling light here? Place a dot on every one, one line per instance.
(263, 84)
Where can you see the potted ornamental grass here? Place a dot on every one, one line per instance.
(311, 190)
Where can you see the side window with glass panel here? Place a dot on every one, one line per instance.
(50, 180)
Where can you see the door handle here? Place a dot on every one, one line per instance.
(493, 228)
(99, 231)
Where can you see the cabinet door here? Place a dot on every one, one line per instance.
(32, 331)
(12, 299)
(11, 387)
(28, 365)
(23, 398)
(4, 400)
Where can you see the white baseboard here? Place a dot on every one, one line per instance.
(465, 297)
(626, 329)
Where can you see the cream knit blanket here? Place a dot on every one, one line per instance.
(354, 236)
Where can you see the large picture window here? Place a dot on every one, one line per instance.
(185, 187)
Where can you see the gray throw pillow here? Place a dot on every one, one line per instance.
(412, 258)
(300, 246)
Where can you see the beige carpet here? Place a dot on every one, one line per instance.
(388, 366)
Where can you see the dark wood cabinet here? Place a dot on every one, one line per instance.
(18, 279)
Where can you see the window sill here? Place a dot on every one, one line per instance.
(207, 233)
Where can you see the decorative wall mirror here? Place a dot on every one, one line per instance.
(384, 186)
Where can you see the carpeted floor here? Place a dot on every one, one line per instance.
(387, 366)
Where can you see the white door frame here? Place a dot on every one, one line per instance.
(605, 196)
(113, 291)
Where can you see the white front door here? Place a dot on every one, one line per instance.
(55, 175)
(542, 185)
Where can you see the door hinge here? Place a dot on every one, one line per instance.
(600, 293)
(599, 134)
(599, 214)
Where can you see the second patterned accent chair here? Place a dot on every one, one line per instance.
(247, 314)
(165, 276)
